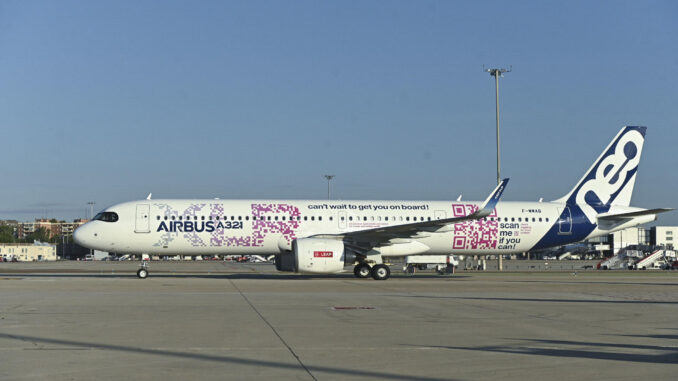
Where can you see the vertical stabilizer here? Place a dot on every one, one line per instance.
(610, 179)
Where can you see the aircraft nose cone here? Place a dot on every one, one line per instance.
(79, 236)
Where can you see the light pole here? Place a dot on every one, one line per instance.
(328, 178)
(91, 215)
(91, 209)
(496, 73)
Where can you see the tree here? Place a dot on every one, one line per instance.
(7, 234)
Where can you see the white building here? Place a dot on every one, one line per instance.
(27, 252)
(664, 236)
(630, 236)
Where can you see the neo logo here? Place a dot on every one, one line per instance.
(611, 175)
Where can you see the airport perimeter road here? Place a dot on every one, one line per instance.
(258, 324)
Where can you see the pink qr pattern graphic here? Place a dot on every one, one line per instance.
(474, 234)
(286, 228)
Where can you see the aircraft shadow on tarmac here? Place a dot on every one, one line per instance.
(593, 282)
(662, 355)
(538, 300)
(312, 370)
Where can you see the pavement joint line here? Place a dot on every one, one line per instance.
(289, 348)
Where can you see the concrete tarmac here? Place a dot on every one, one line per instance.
(219, 321)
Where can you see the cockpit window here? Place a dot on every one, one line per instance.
(107, 216)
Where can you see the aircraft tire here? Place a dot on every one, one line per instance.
(381, 272)
(362, 270)
(142, 273)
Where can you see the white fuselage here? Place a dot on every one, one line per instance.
(211, 227)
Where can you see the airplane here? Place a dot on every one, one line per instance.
(324, 236)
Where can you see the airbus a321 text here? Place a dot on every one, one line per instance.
(323, 236)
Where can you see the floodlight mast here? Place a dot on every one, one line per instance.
(328, 178)
(496, 73)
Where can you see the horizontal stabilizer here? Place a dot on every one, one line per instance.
(619, 216)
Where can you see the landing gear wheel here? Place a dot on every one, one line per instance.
(142, 273)
(362, 270)
(381, 272)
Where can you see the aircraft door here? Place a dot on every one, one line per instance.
(439, 215)
(565, 221)
(342, 220)
(143, 222)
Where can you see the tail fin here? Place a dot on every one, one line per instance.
(610, 179)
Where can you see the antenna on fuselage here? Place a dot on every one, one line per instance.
(149, 196)
(459, 198)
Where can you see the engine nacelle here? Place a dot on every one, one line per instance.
(314, 255)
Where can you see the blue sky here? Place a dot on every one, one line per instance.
(108, 101)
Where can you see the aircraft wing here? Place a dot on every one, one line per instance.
(382, 236)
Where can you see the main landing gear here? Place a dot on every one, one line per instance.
(143, 271)
(378, 272)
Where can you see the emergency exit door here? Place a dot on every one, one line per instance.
(143, 222)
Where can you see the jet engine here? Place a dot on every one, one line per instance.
(315, 255)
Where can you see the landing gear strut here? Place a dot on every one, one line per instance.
(362, 270)
(143, 271)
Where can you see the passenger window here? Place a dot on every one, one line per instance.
(519, 219)
(283, 218)
(165, 218)
(269, 218)
(547, 219)
(342, 218)
(350, 218)
(247, 218)
(364, 218)
(312, 218)
(320, 218)
(158, 218)
(385, 218)
(305, 218)
(276, 218)
(407, 218)
(539, 219)
(513, 219)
